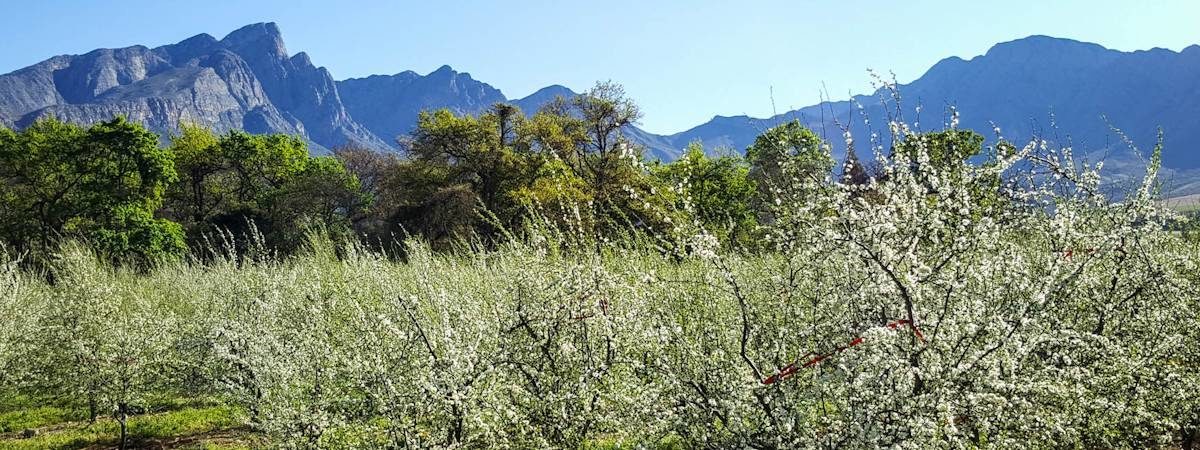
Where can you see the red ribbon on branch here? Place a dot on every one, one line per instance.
(815, 359)
(1070, 252)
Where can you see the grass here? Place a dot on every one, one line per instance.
(37, 417)
(190, 427)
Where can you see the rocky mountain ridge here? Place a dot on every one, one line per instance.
(1073, 91)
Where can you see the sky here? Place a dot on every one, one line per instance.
(682, 61)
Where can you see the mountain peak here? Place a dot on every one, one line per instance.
(444, 70)
(1045, 45)
(555, 89)
(533, 102)
(199, 39)
(262, 38)
(720, 118)
(301, 59)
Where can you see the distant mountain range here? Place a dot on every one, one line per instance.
(1066, 89)
(1073, 92)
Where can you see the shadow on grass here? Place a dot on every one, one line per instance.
(213, 427)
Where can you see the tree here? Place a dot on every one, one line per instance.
(323, 194)
(470, 163)
(605, 111)
(376, 173)
(940, 149)
(788, 163)
(270, 182)
(197, 157)
(476, 150)
(619, 190)
(570, 156)
(100, 184)
(553, 171)
(718, 189)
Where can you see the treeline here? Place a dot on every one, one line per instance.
(922, 302)
(459, 179)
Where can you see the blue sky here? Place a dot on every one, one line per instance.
(683, 61)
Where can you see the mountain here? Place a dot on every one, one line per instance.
(1073, 92)
(247, 81)
(532, 102)
(1070, 91)
(244, 81)
(388, 104)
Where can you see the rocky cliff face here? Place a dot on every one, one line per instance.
(1039, 85)
(388, 104)
(245, 81)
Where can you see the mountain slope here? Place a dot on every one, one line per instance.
(1057, 88)
(1068, 90)
(531, 103)
(245, 81)
(388, 104)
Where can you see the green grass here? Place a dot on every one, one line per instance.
(671, 442)
(20, 412)
(213, 427)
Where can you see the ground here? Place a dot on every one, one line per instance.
(177, 424)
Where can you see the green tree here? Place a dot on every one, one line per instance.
(719, 190)
(468, 164)
(944, 153)
(477, 151)
(102, 184)
(323, 194)
(944, 149)
(197, 158)
(622, 194)
(568, 160)
(608, 157)
(553, 183)
(790, 162)
(236, 180)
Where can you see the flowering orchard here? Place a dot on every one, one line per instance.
(930, 303)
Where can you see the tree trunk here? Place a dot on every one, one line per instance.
(122, 417)
(455, 434)
(91, 408)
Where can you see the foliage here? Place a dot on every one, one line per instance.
(919, 319)
(470, 177)
(100, 184)
(720, 191)
(788, 160)
(959, 296)
(236, 181)
(940, 149)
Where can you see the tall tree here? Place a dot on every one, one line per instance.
(788, 161)
(269, 181)
(718, 190)
(102, 184)
(606, 112)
